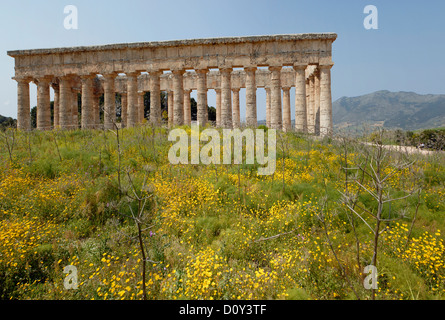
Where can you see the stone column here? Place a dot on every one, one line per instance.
(267, 106)
(178, 97)
(203, 113)
(43, 104)
(276, 120)
(300, 98)
(109, 101)
(326, 126)
(87, 102)
(74, 109)
(308, 102)
(236, 109)
(132, 95)
(187, 108)
(287, 124)
(170, 104)
(96, 112)
(141, 106)
(56, 105)
(124, 110)
(65, 104)
(311, 107)
(226, 98)
(251, 108)
(317, 102)
(155, 97)
(23, 105)
(218, 107)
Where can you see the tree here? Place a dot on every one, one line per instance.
(212, 113)
(34, 117)
(7, 122)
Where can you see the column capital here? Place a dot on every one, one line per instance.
(178, 71)
(23, 79)
(154, 72)
(250, 69)
(325, 66)
(275, 68)
(187, 91)
(141, 93)
(86, 79)
(132, 74)
(285, 88)
(202, 71)
(44, 79)
(111, 75)
(66, 77)
(300, 66)
(225, 70)
(217, 90)
(235, 89)
(87, 76)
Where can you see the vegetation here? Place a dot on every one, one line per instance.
(404, 110)
(433, 139)
(135, 226)
(7, 122)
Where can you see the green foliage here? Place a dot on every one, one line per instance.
(210, 231)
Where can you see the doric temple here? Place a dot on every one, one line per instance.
(275, 63)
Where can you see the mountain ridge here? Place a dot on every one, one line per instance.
(405, 110)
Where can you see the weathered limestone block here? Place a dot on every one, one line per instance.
(300, 98)
(226, 98)
(251, 87)
(236, 108)
(141, 107)
(218, 107)
(203, 114)
(178, 97)
(170, 104)
(43, 104)
(132, 99)
(187, 108)
(276, 120)
(155, 97)
(287, 124)
(267, 107)
(87, 102)
(23, 105)
(109, 101)
(124, 110)
(325, 100)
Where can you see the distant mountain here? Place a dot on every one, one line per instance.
(404, 110)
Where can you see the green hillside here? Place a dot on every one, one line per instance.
(135, 226)
(404, 110)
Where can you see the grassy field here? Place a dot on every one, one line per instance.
(111, 204)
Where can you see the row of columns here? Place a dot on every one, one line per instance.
(313, 104)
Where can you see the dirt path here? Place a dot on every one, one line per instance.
(407, 149)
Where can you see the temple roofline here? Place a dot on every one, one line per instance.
(175, 43)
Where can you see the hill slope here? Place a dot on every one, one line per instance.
(405, 110)
(6, 121)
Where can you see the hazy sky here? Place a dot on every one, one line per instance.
(406, 53)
